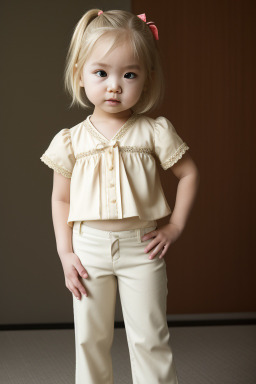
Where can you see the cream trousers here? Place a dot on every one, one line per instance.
(112, 258)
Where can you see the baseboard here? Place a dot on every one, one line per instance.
(211, 319)
(173, 320)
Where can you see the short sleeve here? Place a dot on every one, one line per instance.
(169, 146)
(60, 155)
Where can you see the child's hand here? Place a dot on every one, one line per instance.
(73, 269)
(163, 237)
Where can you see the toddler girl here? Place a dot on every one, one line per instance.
(107, 196)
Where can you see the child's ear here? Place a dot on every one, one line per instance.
(81, 79)
(81, 82)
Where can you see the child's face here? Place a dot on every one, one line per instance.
(116, 78)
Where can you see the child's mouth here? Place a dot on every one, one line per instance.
(113, 102)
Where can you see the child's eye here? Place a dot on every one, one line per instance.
(128, 73)
(131, 73)
(100, 71)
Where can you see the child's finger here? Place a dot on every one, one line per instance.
(78, 289)
(81, 288)
(149, 235)
(75, 292)
(81, 270)
(76, 283)
(151, 245)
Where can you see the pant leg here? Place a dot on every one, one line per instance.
(143, 293)
(94, 315)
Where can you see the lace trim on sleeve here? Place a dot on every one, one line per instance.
(55, 167)
(176, 156)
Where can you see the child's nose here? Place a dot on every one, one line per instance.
(114, 86)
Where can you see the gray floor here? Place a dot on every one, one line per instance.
(203, 355)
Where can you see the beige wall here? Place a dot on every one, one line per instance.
(208, 51)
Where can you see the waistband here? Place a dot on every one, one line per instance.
(82, 228)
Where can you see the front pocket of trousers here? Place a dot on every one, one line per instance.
(80, 246)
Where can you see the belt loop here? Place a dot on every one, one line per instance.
(80, 224)
(139, 235)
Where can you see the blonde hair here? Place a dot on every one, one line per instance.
(118, 24)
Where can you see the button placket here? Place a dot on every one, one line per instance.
(110, 158)
(117, 183)
(111, 154)
(111, 185)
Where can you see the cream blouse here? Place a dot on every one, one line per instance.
(117, 178)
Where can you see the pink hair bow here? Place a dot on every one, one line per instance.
(151, 25)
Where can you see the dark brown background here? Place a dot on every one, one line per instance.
(209, 52)
(208, 48)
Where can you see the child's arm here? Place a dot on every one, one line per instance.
(60, 210)
(63, 233)
(187, 173)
